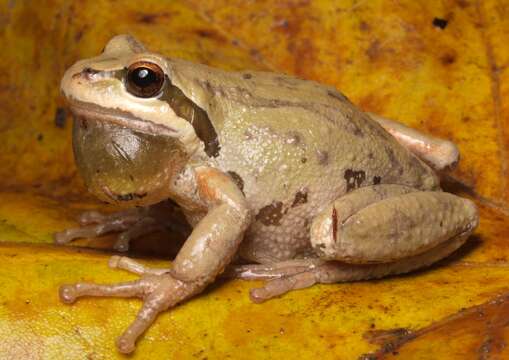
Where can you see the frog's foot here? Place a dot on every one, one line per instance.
(272, 270)
(439, 154)
(132, 223)
(158, 289)
(285, 276)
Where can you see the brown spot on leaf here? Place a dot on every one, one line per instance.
(373, 50)
(448, 58)
(78, 35)
(147, 18)
(271, 214)
(301, 197)
(237, 180)
(440, 23)
(486, 323)
(210, 34)
(150, 18)
(364, 26)
(354, 179)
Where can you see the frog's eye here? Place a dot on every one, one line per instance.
(144, 79)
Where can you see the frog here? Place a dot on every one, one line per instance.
(281, 179)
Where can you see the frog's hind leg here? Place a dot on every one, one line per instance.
(439, 154)
(374, 232)
(281, 280)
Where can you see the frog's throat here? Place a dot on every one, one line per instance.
(91, 111)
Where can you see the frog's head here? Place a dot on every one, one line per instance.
(129, 139)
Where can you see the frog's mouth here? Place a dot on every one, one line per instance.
(89, 111)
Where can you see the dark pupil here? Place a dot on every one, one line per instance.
(143, 77)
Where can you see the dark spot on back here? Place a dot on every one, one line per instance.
(391, 156)
(323, 157)
(294, 138)
(354, 179)
(237, 180)
(334, 224)
(301, 197)
(247, 76)
(440, 23)
(271, 214)
(40, 137)
(188, 110)
(376, 180)
(60, 116)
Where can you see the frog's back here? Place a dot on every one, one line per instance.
(295, 146)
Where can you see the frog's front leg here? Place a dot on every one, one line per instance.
(439, 154)
(370, 233)
(205, 254)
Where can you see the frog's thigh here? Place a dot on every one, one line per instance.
(385, 223)
(439, 154)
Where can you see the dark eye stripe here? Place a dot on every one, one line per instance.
(187, 109)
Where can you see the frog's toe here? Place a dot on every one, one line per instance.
(67, 294)
(131, 223)
(142, 227)
(88, 231)
(282, 285)
(159, 291)
(272, 270)
(128, 264)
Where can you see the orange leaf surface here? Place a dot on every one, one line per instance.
(439, 66)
